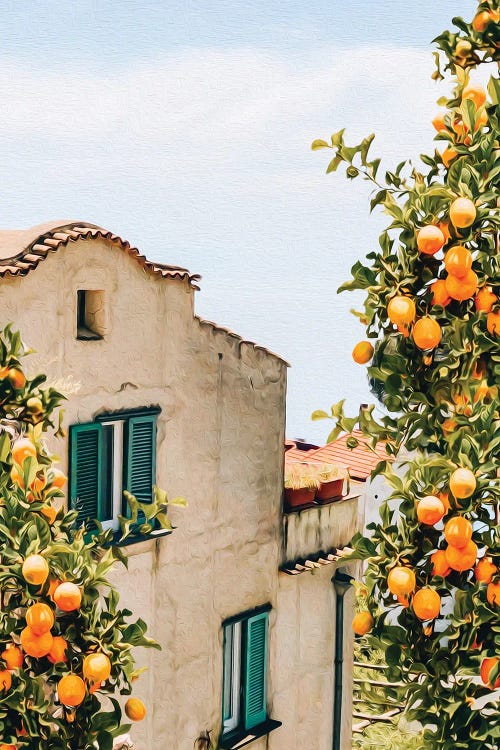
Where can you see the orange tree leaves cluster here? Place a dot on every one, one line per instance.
(432, 317)
(64, 643)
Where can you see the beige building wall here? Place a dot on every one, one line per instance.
(220, 444)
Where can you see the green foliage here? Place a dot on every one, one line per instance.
(33, 521)
(440, 405)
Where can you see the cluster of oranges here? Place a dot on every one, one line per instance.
(43, 483)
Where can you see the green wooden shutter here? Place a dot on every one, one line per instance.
(140, 456)
(85, 470)
(255, 693)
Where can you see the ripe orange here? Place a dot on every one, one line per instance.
(401, 310)
(401, 580)
(362, 623)
(135, 709)
(493, 593)
(5, 680)
(23, 448)
(439, 122)
(461, 558)
(430, 239)
(71, 690)
(493, 323)
(58, 650)
(462, 287)
(448, 155)
(426, 604)
(485, 299)
(57, 478)
(458, 261)
(362, 352)
(458, 531)
(40, 618)
(16, 378)
(462, 213)
(487, 666)
(430, 510)
(440, 565)
(12, 656)
(462, 483)
(426, 333)
(449, 426)
(485, 570)
(67, 596)
(35, 570)
(476, 93)
(35, 645)
(96, 667)
(3, 746)
(439, 294)
(482, 20)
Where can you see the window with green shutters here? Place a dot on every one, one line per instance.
(244, 690)
(117, 452)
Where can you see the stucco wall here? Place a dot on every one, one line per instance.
(220, 444)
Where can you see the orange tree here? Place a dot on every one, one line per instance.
(64, 643)
(432, 317)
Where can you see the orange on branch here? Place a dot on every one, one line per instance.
(439, 294)
(362, 623)
(40, 618)
(487, 667)
(426, 604)
(96, 667)
(401, 580)
(458, 261)
(67, 596)
(475, 93)
(430, 239)
(35, 645)
(49, 513)
(16, 378)
(57, 478)
(448, 155)
(58, 650)
(5, 680)
(485, 299)
(493, 593)
(440, 565)
(462, 483)
(401, 310)
(493, 323)
(438, 121)
(430, 510)
(35, 570)
(485, 570)
(135, 709)
(362, 352)
(71, 690)
(483, 19)
(426, 333)
(461, 558)
(462, 213)
(12, 656)
(461, 288)
(23, 448)
(458, 531)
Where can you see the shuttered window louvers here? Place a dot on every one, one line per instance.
(256, 670)
(140, 457)
(86, 471)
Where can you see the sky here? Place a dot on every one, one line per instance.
(185, 127)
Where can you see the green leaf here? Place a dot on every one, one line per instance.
(317, 144)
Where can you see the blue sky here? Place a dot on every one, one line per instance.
(185, 127)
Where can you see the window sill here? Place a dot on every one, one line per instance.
(245, 737)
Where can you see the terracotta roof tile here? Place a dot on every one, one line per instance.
(360, 460)
(22, 250)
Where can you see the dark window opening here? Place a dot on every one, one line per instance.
(89, 314)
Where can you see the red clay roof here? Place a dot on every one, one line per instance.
(22, 250)
(360, 460)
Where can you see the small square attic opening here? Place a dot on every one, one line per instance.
(90, 314)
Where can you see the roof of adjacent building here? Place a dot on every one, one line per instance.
(22, 250)
(360, 460)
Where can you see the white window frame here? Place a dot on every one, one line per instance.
(232, 674)
(116, 473)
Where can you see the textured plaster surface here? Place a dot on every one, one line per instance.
(220, 444)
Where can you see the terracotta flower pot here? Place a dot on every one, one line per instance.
(330, 491)
(299, 498)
